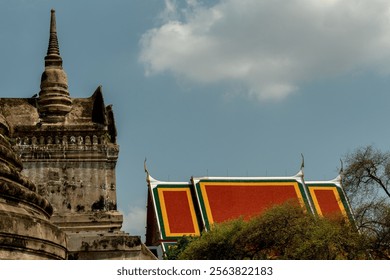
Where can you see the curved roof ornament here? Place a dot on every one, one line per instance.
(338, 179)
(301, 171)
(341, 167)
(149, 179)
(147, 172)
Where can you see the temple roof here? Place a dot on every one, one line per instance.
(184, 208)
(329, 198)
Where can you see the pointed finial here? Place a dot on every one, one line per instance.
(53, 21)
(53, 41)
(301, 174)
(147, 172)
(341, 166)
(145, 168)
(338, 180)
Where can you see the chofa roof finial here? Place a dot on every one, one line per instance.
(147, 172)
(300, 174)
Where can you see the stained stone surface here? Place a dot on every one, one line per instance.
(25, 229)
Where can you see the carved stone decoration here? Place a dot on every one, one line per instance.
(94, 142)
(80, 140)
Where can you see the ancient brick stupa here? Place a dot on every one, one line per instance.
(25, 230)
(68, 149)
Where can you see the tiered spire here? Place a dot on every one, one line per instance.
(54, 101)
(53, 50)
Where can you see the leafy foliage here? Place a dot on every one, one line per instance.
(175, 250)
(220, 243)
(282, 232)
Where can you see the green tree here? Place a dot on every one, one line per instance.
(220, 243)
(367, 183)
(175, 250)
(282, 232)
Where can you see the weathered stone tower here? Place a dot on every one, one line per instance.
(68, 149)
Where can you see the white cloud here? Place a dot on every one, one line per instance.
(134, 221)
(269, 46)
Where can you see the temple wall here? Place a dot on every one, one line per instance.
(74, 186)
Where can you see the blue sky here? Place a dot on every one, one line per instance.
(222, 87)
